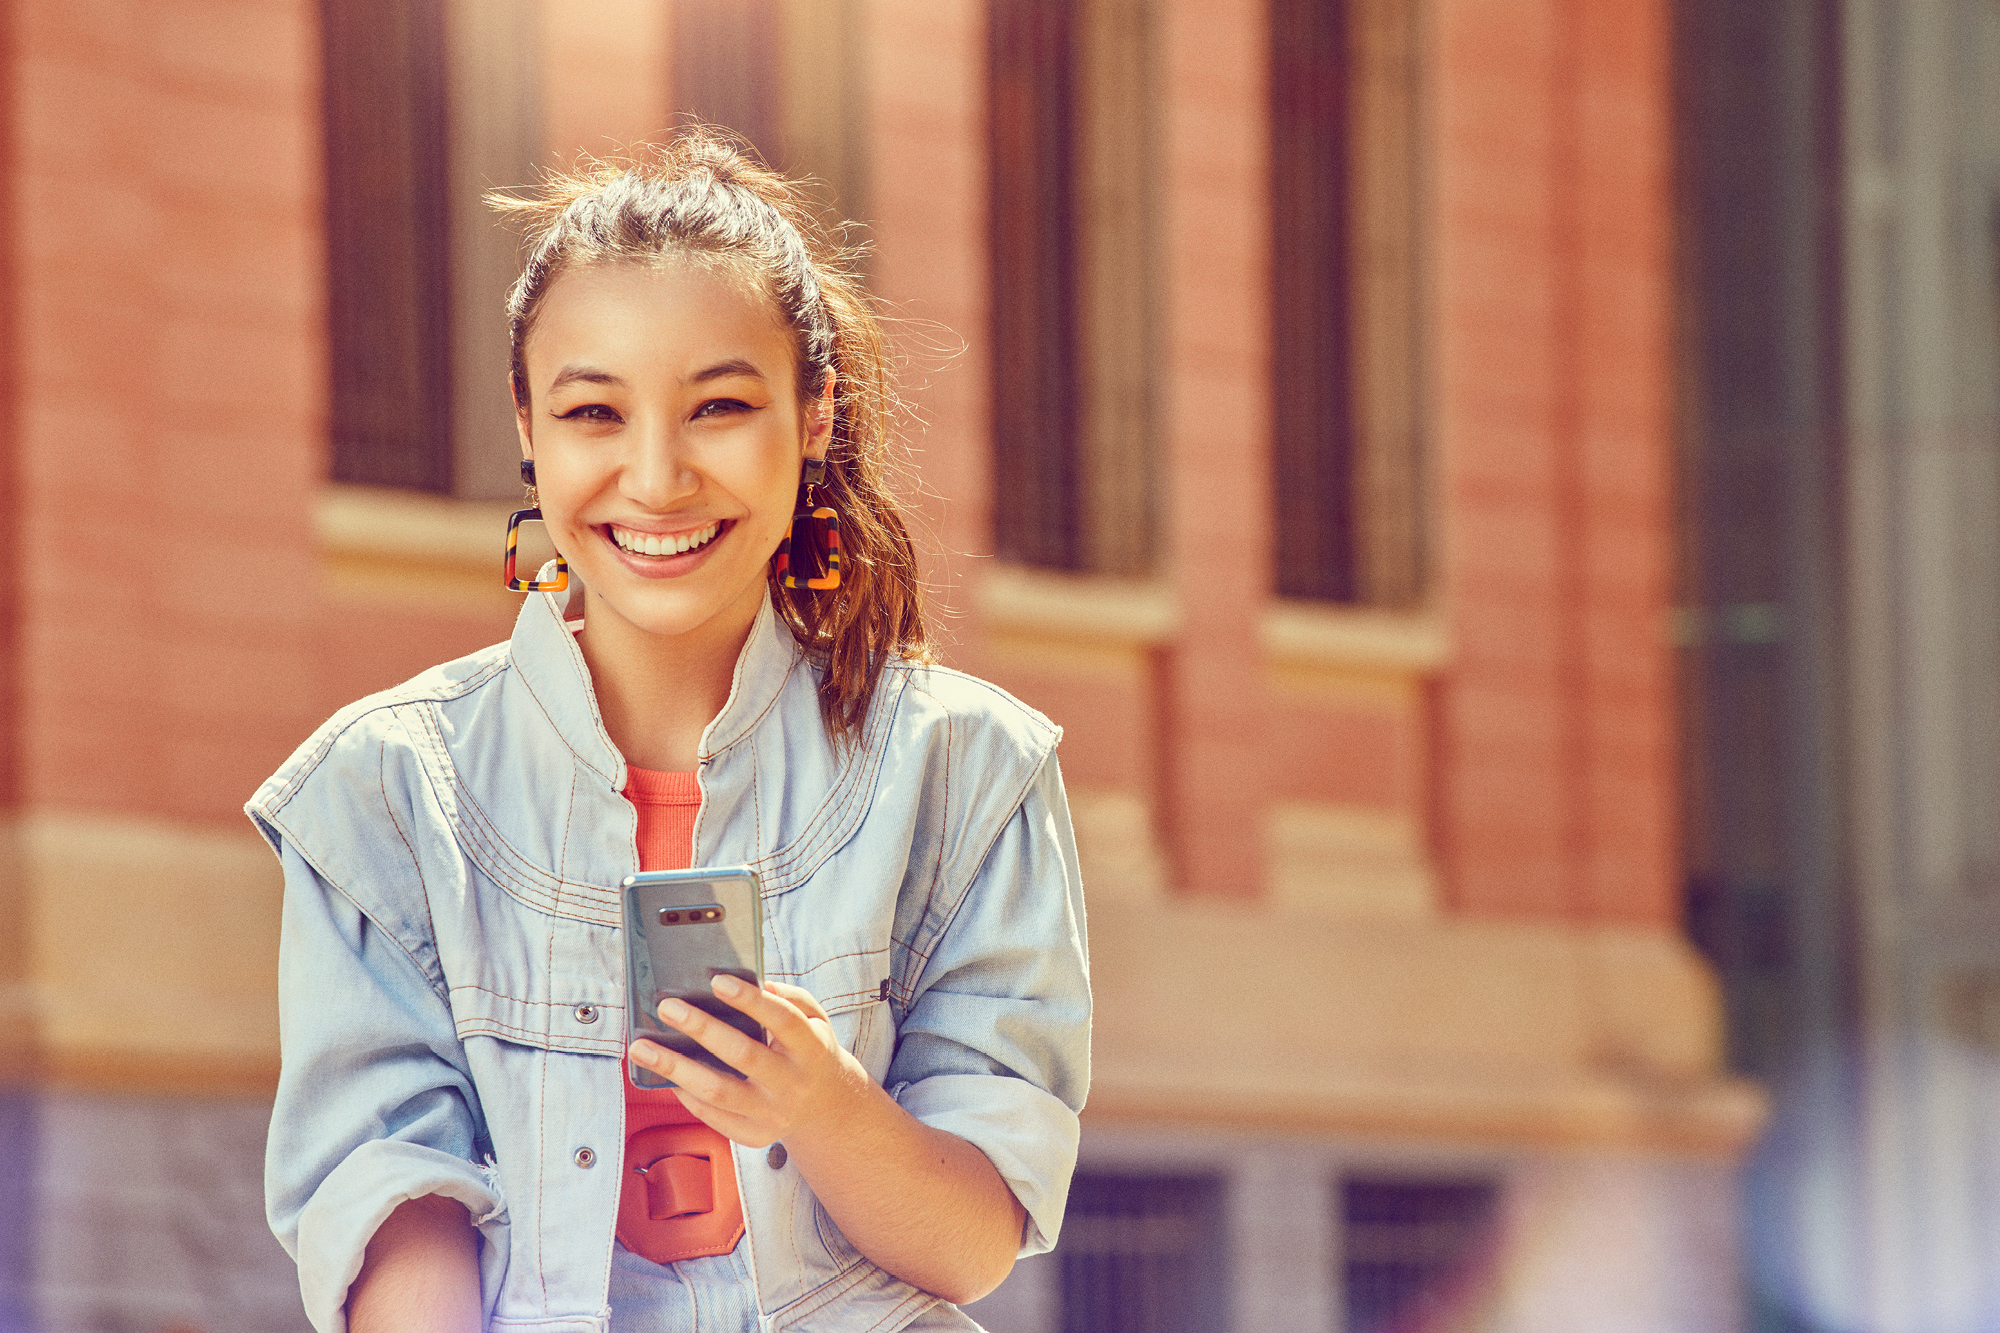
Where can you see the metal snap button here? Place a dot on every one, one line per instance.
(585, 1158)
(586, 1013)
(776, 1157)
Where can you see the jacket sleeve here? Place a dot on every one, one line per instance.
(375, 1103)
(995, 1044)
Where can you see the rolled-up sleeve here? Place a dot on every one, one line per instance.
(375, 1104)
(995, 1045)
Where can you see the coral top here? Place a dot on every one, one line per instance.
(679, 1198)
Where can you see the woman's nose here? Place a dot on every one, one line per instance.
(657, 471)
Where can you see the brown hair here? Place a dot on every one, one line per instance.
(700, 196)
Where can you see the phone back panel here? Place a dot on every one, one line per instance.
(683, 928)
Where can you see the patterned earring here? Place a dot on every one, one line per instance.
(810, 556)
(532, 514)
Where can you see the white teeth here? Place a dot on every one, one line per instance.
(643, 543)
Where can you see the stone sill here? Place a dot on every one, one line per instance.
(1718, 1117)
(409, 549)
(1044, 603)
(374, 523)
(1306, 634)
(1146, 613)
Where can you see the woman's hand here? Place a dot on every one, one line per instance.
(803, 1081)
(926, 1205)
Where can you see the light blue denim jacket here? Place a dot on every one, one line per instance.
(452, 999)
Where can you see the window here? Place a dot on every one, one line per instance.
(387, 215)
(430, 103)
(787, 76)
(1411, 1249)
(1143, 1254)
(1347, 466)
(1071, 257)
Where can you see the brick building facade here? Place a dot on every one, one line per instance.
(1384, 890)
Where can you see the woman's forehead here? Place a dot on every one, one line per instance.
(680, 309)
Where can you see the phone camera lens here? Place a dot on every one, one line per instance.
(670, 918)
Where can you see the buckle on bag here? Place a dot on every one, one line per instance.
(678, 1185)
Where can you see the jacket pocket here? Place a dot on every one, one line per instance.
(583, 1027)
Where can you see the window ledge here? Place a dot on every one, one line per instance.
(1016, 599)
(420, 552)
(1304, 634)
(376, 524)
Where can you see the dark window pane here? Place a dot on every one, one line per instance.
(388, 288)
(725, 55)
(1143, 1254)
(1409, 1247)
(1313, 462)
(1037, 483)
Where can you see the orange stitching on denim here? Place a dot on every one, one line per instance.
(390, 700)
(547, 1004)
(798, 656)
(840, 813)
(944, 816)
(511, 865)
(436, 986)
(829, 960)
(843, 810)
(549, 717)
(502, 862)
(382, 783)
(835, 1287)
(486, 824)
(958, 904)
(562, 854)
(756, 799)
(895, 1314)
(542, 1157)
(923, 955)
(493, 1027)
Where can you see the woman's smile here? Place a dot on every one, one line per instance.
(665, 554)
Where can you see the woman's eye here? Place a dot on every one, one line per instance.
(589, 412)
(716, 407)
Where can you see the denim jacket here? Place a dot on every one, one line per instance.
(452, 1001)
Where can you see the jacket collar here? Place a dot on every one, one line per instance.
(551, 666)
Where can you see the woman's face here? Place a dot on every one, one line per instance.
(667, 433)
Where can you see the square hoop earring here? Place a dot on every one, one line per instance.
(532, 514)
(814, 539)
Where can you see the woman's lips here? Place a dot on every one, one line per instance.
(665, 565)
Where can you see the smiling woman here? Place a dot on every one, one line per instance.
(667, 447)
(737, 674)
(743, 243)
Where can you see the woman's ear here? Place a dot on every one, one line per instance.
(521, 420)
(819, 421)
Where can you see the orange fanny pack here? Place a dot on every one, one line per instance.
(679, 1198)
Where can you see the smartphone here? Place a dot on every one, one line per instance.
(684, 928)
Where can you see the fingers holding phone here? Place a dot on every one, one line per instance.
(800, 1077)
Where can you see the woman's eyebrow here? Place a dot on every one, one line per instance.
(574, 374)
(724, 369)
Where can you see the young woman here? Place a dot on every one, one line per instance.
(709, 676)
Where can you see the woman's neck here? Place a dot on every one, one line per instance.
(658, 693)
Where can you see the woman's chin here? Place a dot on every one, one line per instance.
(669, 609)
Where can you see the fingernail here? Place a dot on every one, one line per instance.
(673, 1011)
(728, 985)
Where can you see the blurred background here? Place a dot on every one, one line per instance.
(1503, 496)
